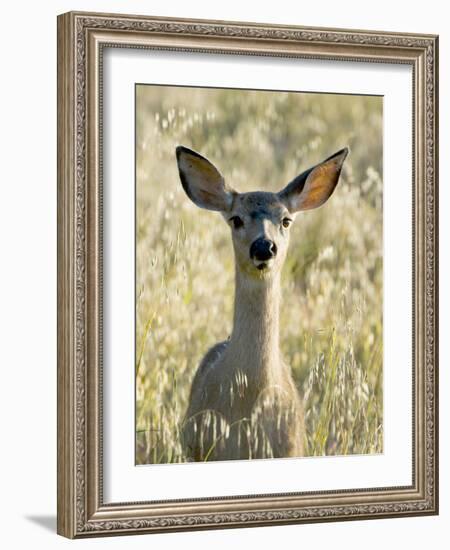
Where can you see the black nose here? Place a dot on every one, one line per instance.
(263, 249)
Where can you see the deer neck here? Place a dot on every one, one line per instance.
(254, 342)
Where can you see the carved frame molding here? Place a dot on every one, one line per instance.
(81, 39)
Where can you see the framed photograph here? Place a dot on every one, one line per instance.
(247, 274)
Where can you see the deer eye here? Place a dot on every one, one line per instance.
(237, 222)
(286, 222)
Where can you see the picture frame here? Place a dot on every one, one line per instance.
(83, 39)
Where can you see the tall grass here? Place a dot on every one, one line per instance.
(331, 314)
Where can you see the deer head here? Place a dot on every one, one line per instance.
(259, 221)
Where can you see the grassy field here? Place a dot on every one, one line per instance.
(331, 313)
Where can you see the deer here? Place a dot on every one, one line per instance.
(243, 402)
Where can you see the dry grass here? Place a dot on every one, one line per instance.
(331, 314)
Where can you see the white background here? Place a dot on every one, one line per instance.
(123, 482)
(28, 274)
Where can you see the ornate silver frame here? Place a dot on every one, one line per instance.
(81, 39)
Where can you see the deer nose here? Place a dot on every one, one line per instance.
(263, 249)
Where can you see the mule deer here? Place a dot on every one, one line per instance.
(243, 401)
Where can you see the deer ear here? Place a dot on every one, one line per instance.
(315, 186)
(201, 180)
